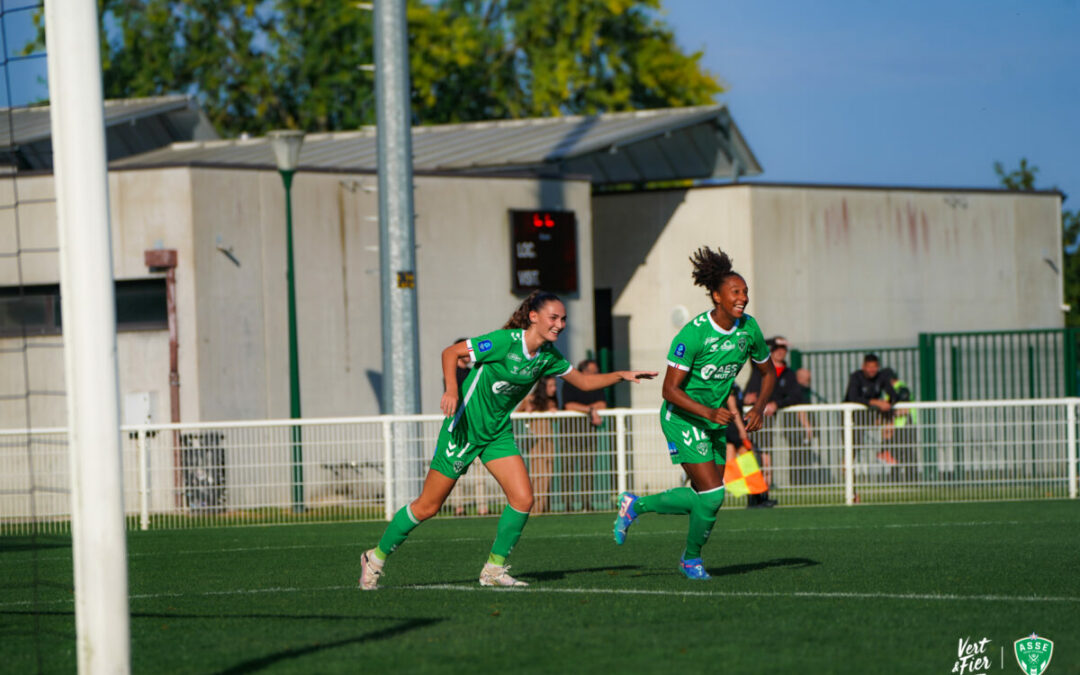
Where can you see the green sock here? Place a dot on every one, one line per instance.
(396, 532)
(673, 501)
(511, 523)
(702, 518)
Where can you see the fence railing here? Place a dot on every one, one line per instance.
(214, 474)
(983, 365)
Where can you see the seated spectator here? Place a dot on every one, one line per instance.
(541, 455)
(870, 387)
(899, 432)
(581, 448)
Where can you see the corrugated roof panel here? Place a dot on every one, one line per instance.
(33, 123)
(671, 144)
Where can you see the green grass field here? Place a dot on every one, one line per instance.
(889, 589)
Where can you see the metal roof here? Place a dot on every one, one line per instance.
(634, 147)
(132, 126)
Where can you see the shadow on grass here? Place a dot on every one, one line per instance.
(795, 563)
(553, 575)
(14, 544)
(262, 662)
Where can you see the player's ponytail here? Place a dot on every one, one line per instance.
(711, 268)
(534, 303)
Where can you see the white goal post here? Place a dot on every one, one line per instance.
(102, 619)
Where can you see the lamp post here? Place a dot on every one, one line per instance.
(286, 146)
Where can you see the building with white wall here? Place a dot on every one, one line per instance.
(220, 205)
(827, 266)
(830, 266)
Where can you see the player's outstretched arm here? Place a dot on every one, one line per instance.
(593, 381)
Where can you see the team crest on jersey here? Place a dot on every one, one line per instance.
(742, 345)
(459, 467)
(703, 448)
(484, 345)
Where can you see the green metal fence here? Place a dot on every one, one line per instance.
(998, 365)
(968, 366)
(831, 369)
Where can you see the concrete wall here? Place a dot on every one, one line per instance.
(463, 284)
(829, 267)
(233, 331)
(157, 201)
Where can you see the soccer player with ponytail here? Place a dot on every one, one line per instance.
(703, 361)
(508, 363)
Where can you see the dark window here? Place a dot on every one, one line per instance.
(140, 305)
(35, 307)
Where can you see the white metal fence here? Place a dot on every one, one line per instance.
(363, 468)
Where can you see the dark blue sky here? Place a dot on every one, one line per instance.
(897, 93)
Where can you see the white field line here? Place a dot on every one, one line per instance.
(576, 535)
(827, 595)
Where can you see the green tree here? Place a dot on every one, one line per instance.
(256, 65)
(1023, 178)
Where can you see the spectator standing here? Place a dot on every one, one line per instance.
(541, 456)
(582, 447)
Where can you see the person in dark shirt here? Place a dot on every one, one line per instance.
(868, 384)
(871, 387)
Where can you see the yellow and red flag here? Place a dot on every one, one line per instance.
(743, 476)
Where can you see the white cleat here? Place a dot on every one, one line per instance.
(370, 571)
(495, 575)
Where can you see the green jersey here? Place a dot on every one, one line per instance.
(713, 357)
(502, 374)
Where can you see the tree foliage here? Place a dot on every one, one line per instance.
(1023, 178)
(258, 65)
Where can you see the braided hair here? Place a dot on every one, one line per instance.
(711, 268)
(534, 303)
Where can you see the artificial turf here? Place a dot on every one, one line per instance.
(890, 589)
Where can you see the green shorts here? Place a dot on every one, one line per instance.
(454, 454)
(692, 443)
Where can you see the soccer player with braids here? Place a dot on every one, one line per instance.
(703, 361)
(508, 362)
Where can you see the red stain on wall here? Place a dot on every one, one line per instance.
(913, 228)
(925, 232)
